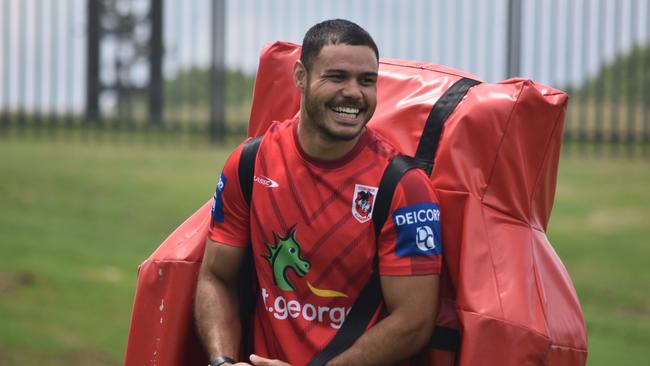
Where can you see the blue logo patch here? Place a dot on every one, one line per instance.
(217, 203)
(418, 230)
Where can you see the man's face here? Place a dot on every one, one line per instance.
(340, 93)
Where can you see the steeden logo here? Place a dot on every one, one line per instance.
(265, 181)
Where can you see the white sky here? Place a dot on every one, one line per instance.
(42, 42)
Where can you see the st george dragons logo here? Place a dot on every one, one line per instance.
(363, 202)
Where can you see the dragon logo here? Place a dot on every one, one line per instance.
(285, 255)
(364, 201)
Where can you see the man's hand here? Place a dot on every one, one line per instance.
(261, 361)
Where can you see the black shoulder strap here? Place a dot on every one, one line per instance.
(247, 166)
(439, 114)
(392, 175)
(370, 297)
(247, 285)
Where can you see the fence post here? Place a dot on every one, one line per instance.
(586, 95)
(22, 62)
(598, 137)
(615, 81)
(514, 38)
(155, 63)
(5, 116)
(218, 72)
(93, 87)
(568, 71)
(646, 87)
(631, 101)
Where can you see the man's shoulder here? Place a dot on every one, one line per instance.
(282, 126)
(380, 145)
(276, 129)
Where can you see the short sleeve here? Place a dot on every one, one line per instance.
(410, 241)
(229, 222)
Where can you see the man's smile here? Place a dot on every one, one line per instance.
(346, 111)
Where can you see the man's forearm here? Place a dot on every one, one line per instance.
(393, 339)
(217, 317)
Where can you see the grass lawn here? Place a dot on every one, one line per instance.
(76, 220)
(600, 227)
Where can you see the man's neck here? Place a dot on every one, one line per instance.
(318, 146)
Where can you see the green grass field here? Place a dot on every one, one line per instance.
(77, 219)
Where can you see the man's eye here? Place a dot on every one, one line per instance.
(336, 77)
(368, 81)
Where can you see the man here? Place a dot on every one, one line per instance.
(310, 229)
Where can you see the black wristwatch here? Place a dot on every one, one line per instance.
(220, 360)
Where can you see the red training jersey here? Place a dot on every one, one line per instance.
(312, 237)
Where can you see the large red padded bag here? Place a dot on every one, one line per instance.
(503, 287)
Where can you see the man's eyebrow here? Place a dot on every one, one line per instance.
(336, 71)
(342, 71)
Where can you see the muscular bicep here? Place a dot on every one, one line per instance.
(222, 261)
(415, 297)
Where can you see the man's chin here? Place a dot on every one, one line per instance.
(346, 133)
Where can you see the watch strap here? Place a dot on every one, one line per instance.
(220, 360)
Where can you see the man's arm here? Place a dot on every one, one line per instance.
(216, 305)
(412, 305)
(412, 302)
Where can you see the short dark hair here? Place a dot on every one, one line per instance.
(334, 31)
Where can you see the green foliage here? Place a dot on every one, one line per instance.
(623, 78)
(188, 98)
(192, 86)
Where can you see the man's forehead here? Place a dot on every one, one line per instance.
(346, 57)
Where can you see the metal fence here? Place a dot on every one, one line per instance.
(188, 66)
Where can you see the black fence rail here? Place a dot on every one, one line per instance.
(186, 68)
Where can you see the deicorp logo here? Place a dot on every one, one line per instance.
(284, 256)
(418, 230)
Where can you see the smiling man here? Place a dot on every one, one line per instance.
(309, 225)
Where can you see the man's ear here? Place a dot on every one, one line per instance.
(300, 76)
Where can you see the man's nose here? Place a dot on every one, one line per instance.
(352, 89)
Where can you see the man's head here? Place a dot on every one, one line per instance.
(337, 75)
(335, 31)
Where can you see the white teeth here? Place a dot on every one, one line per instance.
(348, 110)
